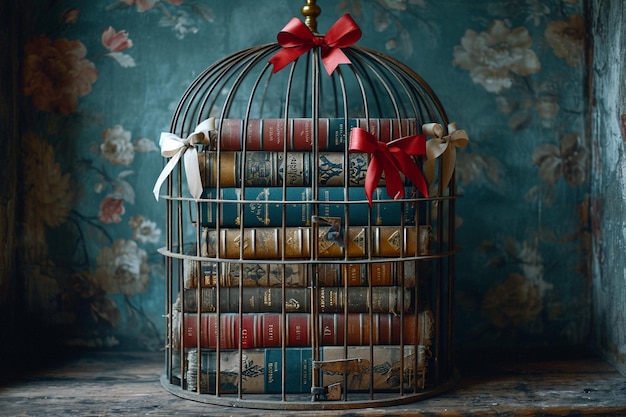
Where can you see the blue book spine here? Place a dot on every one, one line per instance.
(298, 370)
(263, 207)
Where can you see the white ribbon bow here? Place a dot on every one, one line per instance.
(174, 147)
(444, 146)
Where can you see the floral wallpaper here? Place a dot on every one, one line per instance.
(101, 80)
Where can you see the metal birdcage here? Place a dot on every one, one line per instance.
(288, 285)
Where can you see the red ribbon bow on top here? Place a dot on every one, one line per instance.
(393, 158)
(296, 39)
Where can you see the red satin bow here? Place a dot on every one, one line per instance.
(392, 158)
(296, 39)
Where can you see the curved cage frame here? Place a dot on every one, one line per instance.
(243, 86)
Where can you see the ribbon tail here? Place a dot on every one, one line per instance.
(281, 59)
(412, 172)
(395, 189)
(333, 58)
(372, 177)
(448, 159)
(429, 170)
(192, 171)
(418, 180)
(169, 167)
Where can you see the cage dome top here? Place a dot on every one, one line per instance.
(307, 75)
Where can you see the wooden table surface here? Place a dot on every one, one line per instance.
(128, 384)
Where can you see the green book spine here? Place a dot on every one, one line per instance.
(264, 206)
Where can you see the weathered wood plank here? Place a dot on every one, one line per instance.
(128, 385)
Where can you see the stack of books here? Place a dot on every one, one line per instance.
(297, 265)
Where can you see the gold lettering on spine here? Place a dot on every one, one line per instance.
(298, 333)
(267, 298)
(271, 367)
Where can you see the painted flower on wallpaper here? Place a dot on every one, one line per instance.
(57, 73)
(116, 146)
(116, 42)
(181, 22)
(478, 169)
(567, 39)
(569, 160)
(111, 210)
(542, 101)
(70, 16)
(49, 190)
(144, 230)
(391, 16)
(143, 145)
(537, 11)
(145, 5)
(123, 268)
(494, 57)
(49, 195)
(513, 303)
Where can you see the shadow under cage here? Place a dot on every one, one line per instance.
(310, 262)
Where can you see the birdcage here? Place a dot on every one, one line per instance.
(310, 228)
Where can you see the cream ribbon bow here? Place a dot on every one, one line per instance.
(174, 147)
(444, 146)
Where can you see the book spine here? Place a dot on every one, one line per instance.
(297, 134)
(249, 274)
(294, 275)
(265, 206)
(272, 300)
(254, 330)
(275, 169)
(259, 371)
(264, 330)
(268, 242)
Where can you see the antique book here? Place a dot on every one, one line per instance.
(332, 241)
(261, 370)
(271, 299)
(258, 330)
(387, 365)
(296, 206)
(252, 274)
(276, 168)
(297, 134)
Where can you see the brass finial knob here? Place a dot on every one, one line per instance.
(310, 11)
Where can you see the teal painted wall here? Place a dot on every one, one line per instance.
(511, 73)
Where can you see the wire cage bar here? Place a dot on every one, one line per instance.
(285, 288)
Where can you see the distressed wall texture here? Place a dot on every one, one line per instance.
(608, 128)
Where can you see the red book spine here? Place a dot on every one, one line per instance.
(264, 330)
(299, 329)
(231, 134)
(270, 330)
(332, 134)
(254, 132)
(273, 135)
